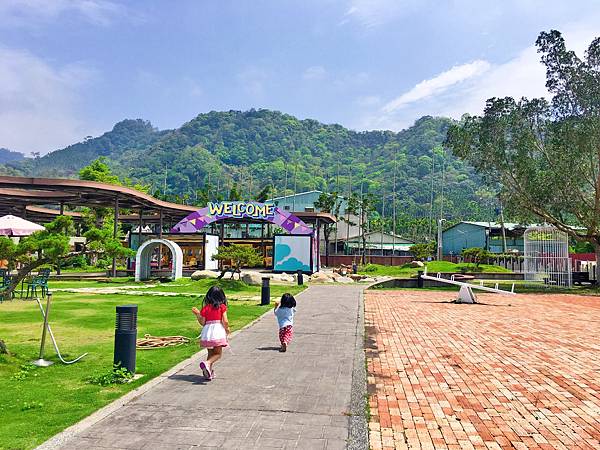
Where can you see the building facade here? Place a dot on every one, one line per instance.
(486, 235)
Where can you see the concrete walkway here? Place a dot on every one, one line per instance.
(260, 398)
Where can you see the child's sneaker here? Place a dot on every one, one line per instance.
(205, 370)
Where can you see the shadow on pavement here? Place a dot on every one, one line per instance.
(196, 379)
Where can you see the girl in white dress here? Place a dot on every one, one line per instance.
(215, 328)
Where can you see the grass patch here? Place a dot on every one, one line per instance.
(36, 403)
(406, 271)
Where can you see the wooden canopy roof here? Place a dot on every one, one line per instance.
(40, 199)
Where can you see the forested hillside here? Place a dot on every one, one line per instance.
(208, 155)
(7, 155)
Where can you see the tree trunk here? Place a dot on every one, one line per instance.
(597, 252)
(21, 275)
(326, 237)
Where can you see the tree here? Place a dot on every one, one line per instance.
(264, 194)
(362, 206)
(422, 251)
(234, 193)
(475, 255)
(546, 155)
(239, 255)
(329, 203)
(98, 170)
(51, 246)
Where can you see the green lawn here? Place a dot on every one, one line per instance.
(406, 271)
(36, 403)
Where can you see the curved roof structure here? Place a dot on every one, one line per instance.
(40, 199)
(18, 193)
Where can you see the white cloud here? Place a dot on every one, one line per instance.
(438, 84)
(372, 13)
(466, 91)
(39, 102)
(29, 12)
(315, 73)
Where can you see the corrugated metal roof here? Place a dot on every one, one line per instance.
(495, 225)
(371, 246)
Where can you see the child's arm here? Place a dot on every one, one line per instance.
(276, 306)
(225, 323)
(196, 312)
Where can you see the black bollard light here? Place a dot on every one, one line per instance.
(419, 279)
(265, 293)
(300, 278)
(125, 337)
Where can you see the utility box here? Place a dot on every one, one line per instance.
(126, 336)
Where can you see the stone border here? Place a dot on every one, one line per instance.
(64, 436)
(358, 436)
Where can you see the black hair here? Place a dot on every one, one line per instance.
(288, 301)
(215, 297)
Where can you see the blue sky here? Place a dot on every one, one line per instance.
(72, 68)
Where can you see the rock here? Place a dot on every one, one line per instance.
(252, 278)
(344, 280)
(320, 277)
(357, 277)
(287, 278)
(202, 274)
(417, 264)
(368, 280)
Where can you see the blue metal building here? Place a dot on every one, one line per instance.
(487, 235)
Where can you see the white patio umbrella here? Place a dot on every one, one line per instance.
(15, 226)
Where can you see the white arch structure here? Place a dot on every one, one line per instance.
(144, 253)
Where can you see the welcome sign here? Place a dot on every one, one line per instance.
(239, 210)
(213, 212)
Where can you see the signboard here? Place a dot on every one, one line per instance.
(238, 210)
(293, 253)
(241, 210)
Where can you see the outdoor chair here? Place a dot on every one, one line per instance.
(35, 282)
(4, 278)
(4, 284)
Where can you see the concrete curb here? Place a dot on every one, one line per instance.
(358, 435)
(61, 438)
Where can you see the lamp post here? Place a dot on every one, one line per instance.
(439, 239)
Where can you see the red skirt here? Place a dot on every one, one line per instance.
(285, 334)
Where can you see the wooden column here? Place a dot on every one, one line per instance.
(115, 231)
(318, 237)
(62, 213)
(160, 235)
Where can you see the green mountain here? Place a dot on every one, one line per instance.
(210, 154)
(7, 155)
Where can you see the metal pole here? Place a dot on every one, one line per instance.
(382, 219)
(295, 186)
(504, 246)
(394, 211)
(439, 240)
(115, 229)
(431, 196)
(41, 362)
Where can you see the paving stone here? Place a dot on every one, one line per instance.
(512, 372)
(260, 398)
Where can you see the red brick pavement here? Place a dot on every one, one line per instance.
(517, 372)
